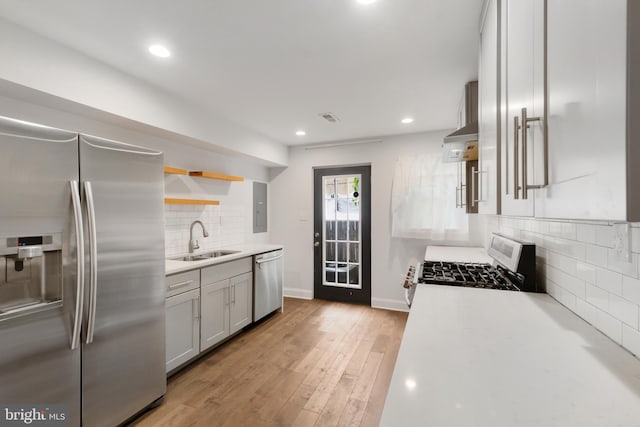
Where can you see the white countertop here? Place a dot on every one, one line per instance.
(457, 254)
(489, 358)
(244, 250)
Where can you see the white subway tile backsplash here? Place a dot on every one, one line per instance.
(635, 239)
(598, 297)
(624, 310)
(631, 289)
(631, 339)
(511, 232)
(562, 262)
(611, 326)
(529, 236)
(565, 297)
(628, 268)
(564, 230)
(586, 233)
(178, 219)
(586, 272)
(596, 255)
(604, 235)
(566, 281)
(587, 311)
(579, 268)
(541, 227)
(567, 247)
(609, 280)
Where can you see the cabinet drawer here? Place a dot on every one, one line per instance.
(219, 272)
(182, 282)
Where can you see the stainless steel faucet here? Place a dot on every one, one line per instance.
(193, 244)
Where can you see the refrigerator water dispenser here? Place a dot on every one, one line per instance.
(30, 274)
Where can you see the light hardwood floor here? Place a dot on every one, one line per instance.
(319, 363)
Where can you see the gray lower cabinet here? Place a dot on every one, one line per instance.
(205, 306)
(215, 313)
(183, 328)
(241, 306)
(182, 318)
(227, 300)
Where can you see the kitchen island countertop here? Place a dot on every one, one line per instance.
(489, 358)
(244, 250)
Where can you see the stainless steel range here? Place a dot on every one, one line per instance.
(512, 269)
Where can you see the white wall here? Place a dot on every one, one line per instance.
(577, 265)
(292, 203)
(229, 223)
(34, 62)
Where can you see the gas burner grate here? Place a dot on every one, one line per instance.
(468, 274)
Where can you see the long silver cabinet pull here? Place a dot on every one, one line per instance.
(233, 299)
(478, 173)
(93, 262)
(516, 159)
(196, 308)
(181, 284)
(525, 127)
(77, 216)
(525, 185)
(473, 186)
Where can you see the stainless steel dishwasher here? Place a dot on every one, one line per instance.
(268, 283)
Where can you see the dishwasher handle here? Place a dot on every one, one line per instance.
(262, 261)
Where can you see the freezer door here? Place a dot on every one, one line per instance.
(38, 291)
(123, 355)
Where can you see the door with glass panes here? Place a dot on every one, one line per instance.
(342, 234)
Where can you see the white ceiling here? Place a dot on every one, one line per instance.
(274, 65)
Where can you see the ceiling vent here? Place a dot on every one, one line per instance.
(330, 117)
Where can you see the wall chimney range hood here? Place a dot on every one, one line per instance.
(462, 144)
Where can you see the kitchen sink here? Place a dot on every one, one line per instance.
(206, 255)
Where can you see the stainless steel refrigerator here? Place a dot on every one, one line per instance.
(81, 274)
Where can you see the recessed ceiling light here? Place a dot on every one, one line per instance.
(410, 383)
(301, 133)
(407, 120)
(366, 1)
(159, 50)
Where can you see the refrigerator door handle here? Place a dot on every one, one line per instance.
(77, 216)
(93, 262)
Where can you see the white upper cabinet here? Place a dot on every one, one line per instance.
(488, 172)
(590, 81)
(523, 104)
(569, 101)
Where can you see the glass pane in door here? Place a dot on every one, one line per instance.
(341, 218)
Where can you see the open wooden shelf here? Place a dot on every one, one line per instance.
(175, 171)
(171, 201)
(213, 175)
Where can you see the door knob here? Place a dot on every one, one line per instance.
(316, 244)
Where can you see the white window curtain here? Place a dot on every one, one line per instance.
(423, 200)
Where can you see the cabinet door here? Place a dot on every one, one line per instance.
(183, 328)
(215, 313)
(241, 288)
(487, 177)
(586, 72)
(524, 81)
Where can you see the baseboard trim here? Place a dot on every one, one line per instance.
(298, 293)
(389, 304)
